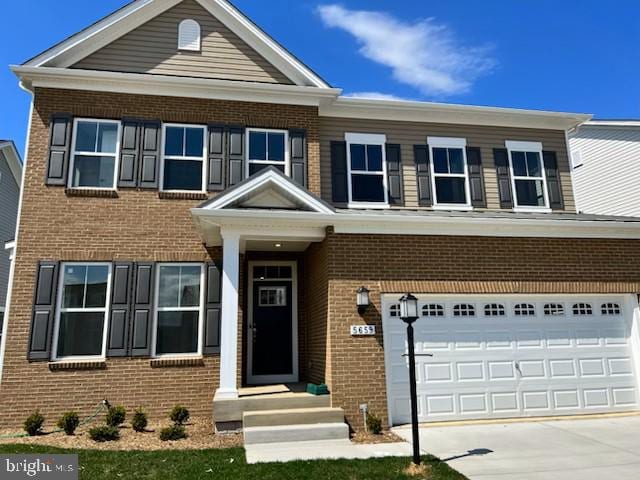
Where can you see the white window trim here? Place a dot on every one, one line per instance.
(205, 155)
(116, 163)
(187, 48)
(527, 147)
(106, 309)
(287, 155)
(367, 139)
(200, 309)
(448, 142)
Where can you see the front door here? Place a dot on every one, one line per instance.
(272, 323)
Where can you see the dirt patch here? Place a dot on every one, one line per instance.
(385, 437)
(199, 431)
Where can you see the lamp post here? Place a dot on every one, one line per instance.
(409, 314)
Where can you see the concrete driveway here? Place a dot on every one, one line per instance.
(581, 449)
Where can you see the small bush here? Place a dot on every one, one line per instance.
(33, 424)
(139, 421)
(104, 433)
(69, 422)
(179, 415)
(116, 416)
(374, 424)
(174, 432)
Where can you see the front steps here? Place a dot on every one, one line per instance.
(296, 433)
(298, 416)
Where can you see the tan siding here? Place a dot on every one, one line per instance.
(153, 48)
(409, 134)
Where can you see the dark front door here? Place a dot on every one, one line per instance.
(271, 332)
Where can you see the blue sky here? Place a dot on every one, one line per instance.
(572, 55)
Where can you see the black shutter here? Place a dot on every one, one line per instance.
(339, 172)
(423, 175)
(554, 187)
(118, 339)
(213, 289)
(394, 173)
(129, 153)
(298, 150)
(501, 159)
(142, 320)
(236, 157)
(150, 154)
(476, 182)
(60, 126)
(216, 158)
(44, 305)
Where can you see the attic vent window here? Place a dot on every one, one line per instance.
(189, 36)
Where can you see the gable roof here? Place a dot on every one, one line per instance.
(138, 12)
(8, 148)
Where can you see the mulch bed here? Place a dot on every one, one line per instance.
(385, 437)
(200, 436)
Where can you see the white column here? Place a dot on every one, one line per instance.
(229, 317)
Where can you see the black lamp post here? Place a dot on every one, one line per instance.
(409, 314)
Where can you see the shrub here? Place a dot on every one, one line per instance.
(69, 422)
(33, 424)
(139, 421)
(104, 433)
(374, 424)
(179, 415)
(116, 416)
(174, 432)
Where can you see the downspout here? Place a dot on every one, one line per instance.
(7, 312)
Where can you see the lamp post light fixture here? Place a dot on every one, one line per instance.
(409, 314)
(362, 299)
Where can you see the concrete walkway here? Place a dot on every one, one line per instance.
(322, 450)
(581, 449)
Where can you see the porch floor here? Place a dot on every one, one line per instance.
(289, 388)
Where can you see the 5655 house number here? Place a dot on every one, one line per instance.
(363, 330)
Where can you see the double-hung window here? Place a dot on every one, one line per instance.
(367, 169)
(450, 179)
(95, 153)
(179, 309)
(184, 153)
(528, 177)
(81, 323)
(267, 148)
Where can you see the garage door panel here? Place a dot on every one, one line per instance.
(489, 362)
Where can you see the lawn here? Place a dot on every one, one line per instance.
(230, 464)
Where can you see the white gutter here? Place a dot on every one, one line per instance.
(405, 224)
(165, 85)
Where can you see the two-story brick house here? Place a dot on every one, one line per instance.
(200, 209)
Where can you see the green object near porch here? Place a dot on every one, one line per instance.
(314, 389)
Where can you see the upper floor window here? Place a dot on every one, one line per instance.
(95, 150)
(450, 173)
(178, 312)
(366, 164)
(528, 178)
(189, 35)
(184, 158)
(82, 315)
(267, 148)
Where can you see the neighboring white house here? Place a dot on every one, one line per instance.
(605, 157)
(10, 180)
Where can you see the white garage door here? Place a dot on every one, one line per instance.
(508, 356)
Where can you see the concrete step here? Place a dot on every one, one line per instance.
(296, 416)
(296, 433)
(232, 410)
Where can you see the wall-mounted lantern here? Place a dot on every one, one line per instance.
(362, 299)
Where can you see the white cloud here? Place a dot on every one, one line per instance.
(373, 96)
(424, 54)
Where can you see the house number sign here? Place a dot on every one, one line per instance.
(363, 330)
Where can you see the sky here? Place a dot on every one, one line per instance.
(573, 55)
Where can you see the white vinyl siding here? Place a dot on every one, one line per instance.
(606, 182)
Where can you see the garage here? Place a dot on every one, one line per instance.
(513, 356)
